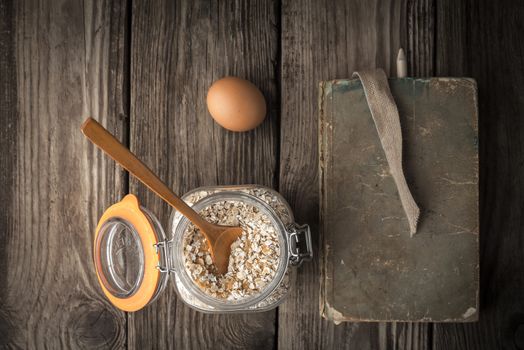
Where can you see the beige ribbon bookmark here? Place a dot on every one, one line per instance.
(385, 115)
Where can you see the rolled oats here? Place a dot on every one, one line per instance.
(254, 258)
(275, 296)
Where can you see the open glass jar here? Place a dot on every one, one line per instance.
(134, 258)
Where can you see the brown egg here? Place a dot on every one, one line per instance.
(236, 104)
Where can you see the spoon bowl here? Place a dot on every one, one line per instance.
(223, 244)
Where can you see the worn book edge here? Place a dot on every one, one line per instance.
(326, 310)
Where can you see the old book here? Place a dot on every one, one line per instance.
(372, 270)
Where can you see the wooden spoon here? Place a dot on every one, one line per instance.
(219, 237)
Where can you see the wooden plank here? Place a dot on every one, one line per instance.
(483, 40)
(8, 155)
(419, 38)
(178, 50)
(68, 65)
(323, 41)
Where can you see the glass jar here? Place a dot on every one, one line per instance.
(134, 259)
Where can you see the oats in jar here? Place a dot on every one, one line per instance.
(254, 255)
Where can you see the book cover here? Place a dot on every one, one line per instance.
(372, 270)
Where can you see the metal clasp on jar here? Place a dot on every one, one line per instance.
(300, 247)
(163, 248)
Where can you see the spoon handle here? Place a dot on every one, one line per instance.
(98, 135)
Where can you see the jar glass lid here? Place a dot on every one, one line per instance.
(126, 256)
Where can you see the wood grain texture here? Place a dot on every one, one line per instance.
(178, 50)
(323, 41)
(63, 60)
(419, 38)
(68, 60)
(483, 40)
(8, 158)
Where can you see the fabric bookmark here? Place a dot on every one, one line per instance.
(385, 115)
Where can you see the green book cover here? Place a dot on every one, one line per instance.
(372, 270)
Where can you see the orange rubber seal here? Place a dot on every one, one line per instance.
(129, 210)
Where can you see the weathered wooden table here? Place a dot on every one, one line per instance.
(143, 68)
